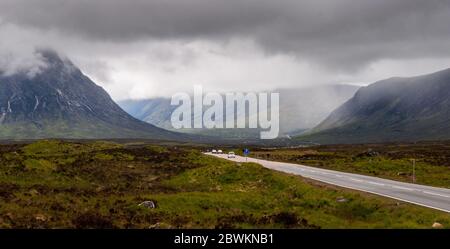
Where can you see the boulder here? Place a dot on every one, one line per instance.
(369, 153)
(341, 199)
(437, 225)
(148, 204)
(40, 217)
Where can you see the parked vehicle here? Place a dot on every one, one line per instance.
(231, 154)
(214, 151)
(219, 152)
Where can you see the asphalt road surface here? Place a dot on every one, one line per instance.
(436, 198)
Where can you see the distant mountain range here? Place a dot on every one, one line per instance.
(396, 109)
(61, 102)
(300, 110)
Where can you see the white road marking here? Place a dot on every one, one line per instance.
(356, 180)
(403, 188)
(376, 183)
(432, 193)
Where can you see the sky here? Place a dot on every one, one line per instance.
(139, 49)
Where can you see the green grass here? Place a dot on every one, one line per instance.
(55, 184)
(252, 191)
(391, 162)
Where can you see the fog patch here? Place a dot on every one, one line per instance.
(17, 54)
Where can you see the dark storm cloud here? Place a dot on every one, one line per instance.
(121, 20)
(338, 34)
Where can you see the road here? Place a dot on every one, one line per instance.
(432, 197)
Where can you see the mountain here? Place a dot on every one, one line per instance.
(303, 108)
(396, 109)
(155, 111)
(158, 112)
(300, 109)
(61, 102)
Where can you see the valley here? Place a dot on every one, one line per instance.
(135, 184)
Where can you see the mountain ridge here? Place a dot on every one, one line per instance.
(395, 109)
(61, 102)
(299, 101)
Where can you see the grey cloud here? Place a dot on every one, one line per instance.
(120, 20)
(17, 54)
(338, 34)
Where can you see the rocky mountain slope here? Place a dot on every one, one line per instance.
(61, 102)
(396, 109)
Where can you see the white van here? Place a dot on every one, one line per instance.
(214, 151)
(231, 154)
(219, 152)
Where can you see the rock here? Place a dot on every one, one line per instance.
(341, 199)
(369, 153)
(160, 225)
(147, 204)
(40, 217)
(437, 225)
(154, 226)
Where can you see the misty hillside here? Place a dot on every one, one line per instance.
(158, 112)
(155, 111)
(300, 109)
(61, 102)
(396, 109)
